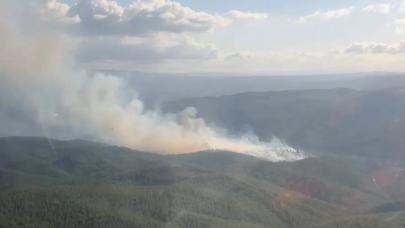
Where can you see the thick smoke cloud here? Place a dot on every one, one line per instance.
(43, 93)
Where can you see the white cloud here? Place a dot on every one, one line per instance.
(326, 15)
(376, 48)
(144, 50)
(399, 25)
(55, 10)
(383, 8)
(242, 15)
(107, 17)
(245, 55)
(146, 31)
(166, 36)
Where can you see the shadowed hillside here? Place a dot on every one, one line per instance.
(336, 121)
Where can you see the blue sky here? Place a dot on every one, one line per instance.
(274, 7)
(236, 36)
(286, 7)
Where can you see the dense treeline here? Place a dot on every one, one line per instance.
(83, 206)
(82, 184)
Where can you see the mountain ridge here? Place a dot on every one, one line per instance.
(125, 188)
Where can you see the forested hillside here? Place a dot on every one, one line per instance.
(85, 184)
(337, 121)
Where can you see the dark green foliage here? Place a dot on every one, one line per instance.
(84, 206)
(85, 184)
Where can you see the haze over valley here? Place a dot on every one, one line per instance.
(200, 114)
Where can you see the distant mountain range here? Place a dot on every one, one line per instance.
(51, 183)
(334, 121)
(156, 89)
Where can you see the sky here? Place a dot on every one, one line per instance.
(255, 37)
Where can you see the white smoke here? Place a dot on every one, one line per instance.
(37, 71)
(98, 105)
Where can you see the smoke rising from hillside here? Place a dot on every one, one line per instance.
(40, 83)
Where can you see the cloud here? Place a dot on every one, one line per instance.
(242, 15)
(383, 8)
(166, 36)
(146, 31)
(399, 25)
(148, 49)
(58, 11)
(244, 55)
(107, 17)
(376, 48)
(326, 15)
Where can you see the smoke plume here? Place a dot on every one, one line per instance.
(44, 93)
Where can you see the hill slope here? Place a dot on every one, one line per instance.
(338, 121)
(85, 184)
